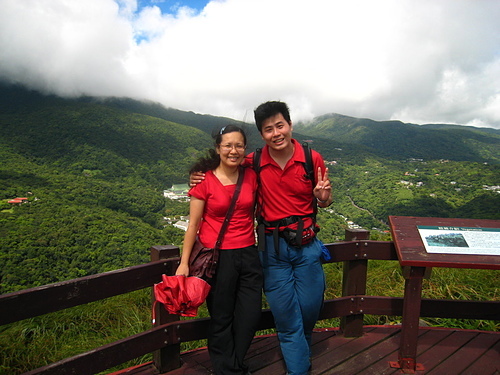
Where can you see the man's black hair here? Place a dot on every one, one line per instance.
(270, 109)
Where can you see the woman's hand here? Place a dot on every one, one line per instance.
(182, 270)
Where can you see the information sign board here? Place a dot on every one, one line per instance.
(460, 240)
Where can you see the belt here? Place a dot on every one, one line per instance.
(277, 224)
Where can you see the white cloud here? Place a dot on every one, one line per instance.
(418, 61)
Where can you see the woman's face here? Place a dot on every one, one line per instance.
(232, 149)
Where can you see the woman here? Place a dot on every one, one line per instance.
(234, 302)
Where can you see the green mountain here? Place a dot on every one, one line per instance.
(94, 177)
(399, 141)
(94, 171)
(81, 135)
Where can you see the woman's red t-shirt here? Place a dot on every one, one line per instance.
(217, 197)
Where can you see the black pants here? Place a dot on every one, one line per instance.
(234, 303)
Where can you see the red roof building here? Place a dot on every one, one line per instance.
(17, 200)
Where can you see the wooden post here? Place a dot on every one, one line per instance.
(169, 357)
(410, 324)
(354, 283)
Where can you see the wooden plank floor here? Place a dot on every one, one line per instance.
(441, 351)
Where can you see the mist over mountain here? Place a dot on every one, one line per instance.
(389, 139)
(393, 139)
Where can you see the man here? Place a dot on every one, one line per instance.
(294, 280)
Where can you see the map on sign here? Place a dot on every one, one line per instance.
(460, 240)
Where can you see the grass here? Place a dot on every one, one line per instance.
(38, 341)
(35, 342)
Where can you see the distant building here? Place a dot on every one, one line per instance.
(180, 188)
(492, 188)
(178, 191)
(181, 225)
(18, 200)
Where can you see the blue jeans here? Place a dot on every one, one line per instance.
(294, 284)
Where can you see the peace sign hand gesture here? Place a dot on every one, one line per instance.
(323, 189)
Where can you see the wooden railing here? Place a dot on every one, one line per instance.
(164, 339)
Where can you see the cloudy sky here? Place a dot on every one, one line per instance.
(420, 61)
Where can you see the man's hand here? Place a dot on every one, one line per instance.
(195, 178)
(323, 189)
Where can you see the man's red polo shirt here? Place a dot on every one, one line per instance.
(286, 192)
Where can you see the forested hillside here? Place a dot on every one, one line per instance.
(387, 168)
(399, 141)
(368, 193)
(93, 171)
(94, 178)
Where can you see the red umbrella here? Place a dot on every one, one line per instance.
(181, 295)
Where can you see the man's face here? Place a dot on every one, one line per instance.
(277, 132)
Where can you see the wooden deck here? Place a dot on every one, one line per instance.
(441, 351)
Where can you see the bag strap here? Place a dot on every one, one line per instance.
(231, 209)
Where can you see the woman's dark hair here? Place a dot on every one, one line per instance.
(212, 160)
(270, 109)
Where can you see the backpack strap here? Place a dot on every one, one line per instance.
(310, 173)
(256, 160)
(309, 167)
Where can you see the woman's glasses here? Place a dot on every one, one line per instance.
(229, 147)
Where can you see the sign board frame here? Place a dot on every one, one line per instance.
(411, 248)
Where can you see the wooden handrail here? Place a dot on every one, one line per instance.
(44, 299)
